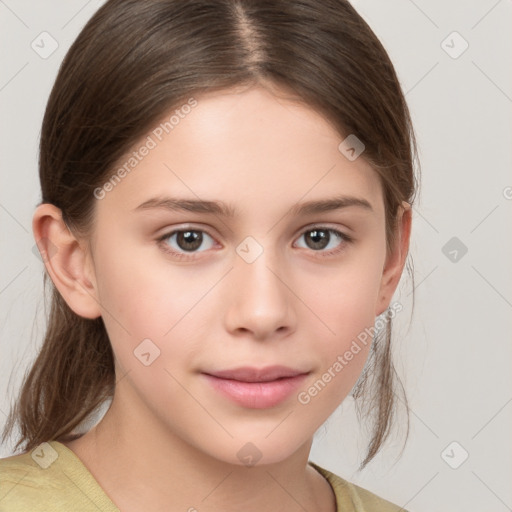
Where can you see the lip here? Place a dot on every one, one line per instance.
(256, 388)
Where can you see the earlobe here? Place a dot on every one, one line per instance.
(395, 261)
(66, 261)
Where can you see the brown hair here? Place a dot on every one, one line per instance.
(133, 62)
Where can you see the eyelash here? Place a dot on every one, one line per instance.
(345, 239)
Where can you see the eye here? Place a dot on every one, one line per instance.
(319, 238)
(183, 244)
(183, 241)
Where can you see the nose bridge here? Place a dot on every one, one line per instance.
(257, 266)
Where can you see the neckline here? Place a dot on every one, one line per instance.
(83, 478)
(105, 500)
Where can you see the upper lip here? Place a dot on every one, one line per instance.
(250, 374)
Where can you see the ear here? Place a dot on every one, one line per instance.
(395, 261)
(67, 261)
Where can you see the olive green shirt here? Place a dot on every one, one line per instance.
(51, 478)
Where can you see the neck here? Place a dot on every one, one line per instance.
(142, 466)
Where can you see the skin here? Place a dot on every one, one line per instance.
(169, 441)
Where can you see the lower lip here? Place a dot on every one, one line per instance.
(257, 395)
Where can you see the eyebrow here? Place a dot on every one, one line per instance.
(226, 210)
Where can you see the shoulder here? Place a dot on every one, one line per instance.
(23, 482)
(49, 477)
(351, 497)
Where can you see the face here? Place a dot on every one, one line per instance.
(190, 294)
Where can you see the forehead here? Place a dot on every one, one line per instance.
(249, 148)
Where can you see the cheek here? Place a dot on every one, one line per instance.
(135, 290)
(345, 304)
(345, 297)
(144, 297)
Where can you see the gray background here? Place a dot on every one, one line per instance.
(455, 353)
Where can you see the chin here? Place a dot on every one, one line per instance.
(257, 451)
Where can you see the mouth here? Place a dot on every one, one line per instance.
(256, 388)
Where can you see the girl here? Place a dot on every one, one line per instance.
(226, 211)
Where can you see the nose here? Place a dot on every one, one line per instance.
(260, 299)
